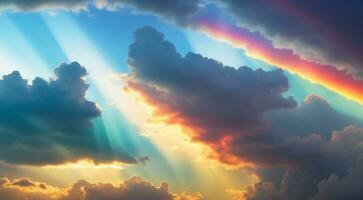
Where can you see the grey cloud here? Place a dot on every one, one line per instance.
(314, 115)
(343, 158)
(346, 187)
(49, 122)
(192, 87)
(180, 11)
(261, 191)
(296, 137)
(32, 5)
(23, 182)
(303, 142)
(324, 31)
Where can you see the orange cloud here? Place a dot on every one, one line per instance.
(133, 189)
(25, 188)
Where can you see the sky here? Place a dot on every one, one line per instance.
(181, 100)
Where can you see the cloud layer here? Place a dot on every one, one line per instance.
(133, 189)
(49, 122)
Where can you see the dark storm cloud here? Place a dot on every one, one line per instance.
(49, 122)
(242, 115)
(346, 187)
(180, 11)
(336, 178)
(303, 143)
(192, 87)
(133, 189)
(326, 31)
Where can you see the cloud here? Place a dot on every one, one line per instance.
(49, 122)
(244, 117)
(23, 183)
(181, 11)
(317, 30)
(294, 137)
(321, 182)
(314, 115)
(347, 187)
(133, 189)
(24, 188)
(306, 144)
(187, 89)
(34, 5)
(261, 191)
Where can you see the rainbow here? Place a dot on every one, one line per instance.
(258, 47)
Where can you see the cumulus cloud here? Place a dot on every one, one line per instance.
(261, 191)
(294, 137)
(187, 89)
(314, 115)
(311, 151)
(346, 187)
(49, 122)
(337, 177)
(244, 117)
(133, 189)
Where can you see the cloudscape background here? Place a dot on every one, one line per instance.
(181, 100)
